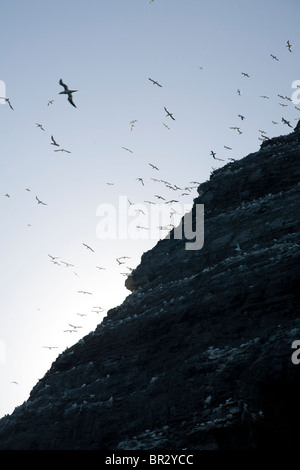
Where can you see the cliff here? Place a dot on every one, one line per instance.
(199, 355)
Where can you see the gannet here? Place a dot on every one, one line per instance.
(245, 74)
(84, 292)
(128, 150)
(40, 126)
(274, 57)
(242, 117)
(153, 166)
(54, 142)
(50, 102)
(75, 326)
(133, 124)
(289, 46)
(286, 122)
(68, 92)
(228, 148)
(88, 247)
(265, 97)
(141, 180)
(39, 201)
(62, 150)
(67, 264)
(169, 114)
(155, 82)
(53, 257)
(7, 101)
(166, 126)
(50, 347)
(239, 92)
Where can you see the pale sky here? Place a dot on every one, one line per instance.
(198, 51)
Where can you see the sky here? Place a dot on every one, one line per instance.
(94, 197)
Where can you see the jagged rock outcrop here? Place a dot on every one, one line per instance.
(198, 356)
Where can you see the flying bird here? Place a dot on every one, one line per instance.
(50, 347)
(50, 102)
(7, 101)
(239, 92)
(88, 247)
(68, 92)
(286, 122)
(141, 180)
(40, 126)
(169, 114)
(153, 166)
(265, 97)
(128, 150)
(53, 257)
(54, 142)
(84, 292)
(242, 117)
(228, 148)
(62, 150)
(289, 46)
(40, 202)
(154, 82)
(274, 57)
(245, 74)
(133, 124)
(166, 126)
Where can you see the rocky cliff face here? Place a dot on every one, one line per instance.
(199, 355)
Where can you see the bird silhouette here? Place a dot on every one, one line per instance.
(154, 82)
(88, 247)
(289, 46)
(62, 150)
(68, 92)
(286, 122)
(54, 142)
(128, 150)
(39, 201)
(153, 166)
(169, 114)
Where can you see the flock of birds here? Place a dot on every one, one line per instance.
(180, 190)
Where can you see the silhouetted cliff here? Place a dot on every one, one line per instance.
(198, 356)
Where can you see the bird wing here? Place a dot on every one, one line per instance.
(63, 84)
(70, 99)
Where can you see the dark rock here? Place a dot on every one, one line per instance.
(198, 356)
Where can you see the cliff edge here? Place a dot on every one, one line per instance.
(199, 355)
